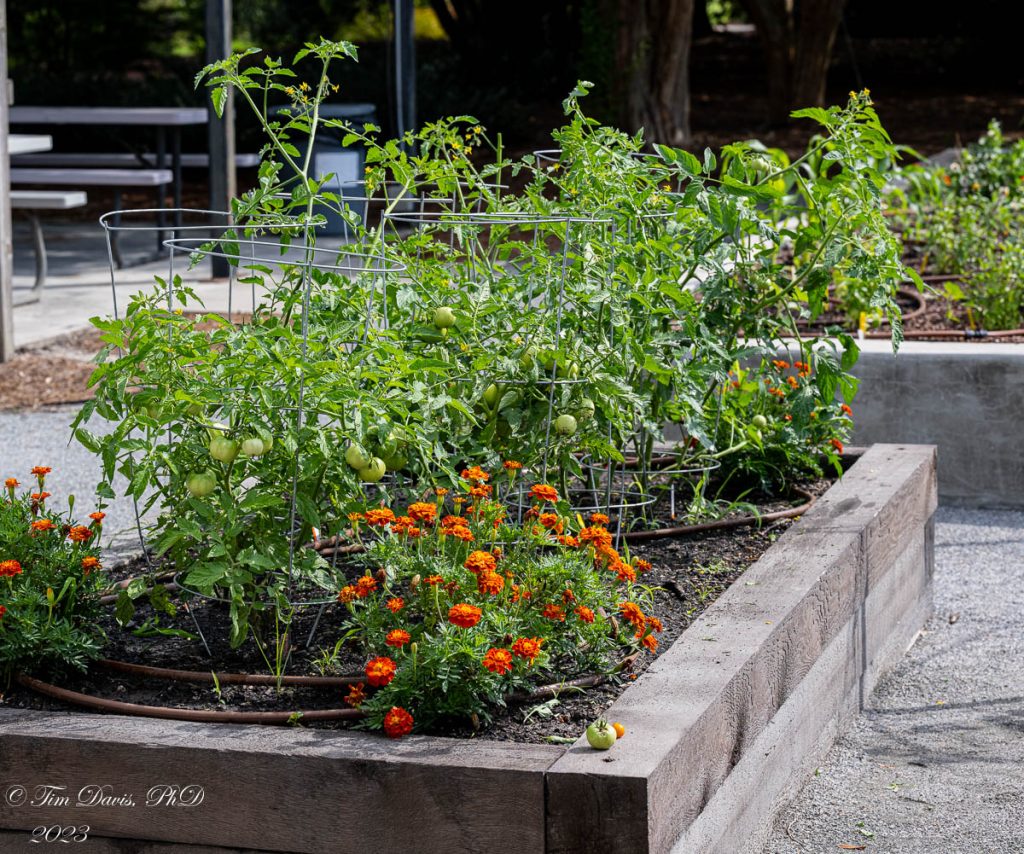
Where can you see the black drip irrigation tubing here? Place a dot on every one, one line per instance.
(725, 524)
(193, 715)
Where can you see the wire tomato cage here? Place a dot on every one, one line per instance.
(284, 275)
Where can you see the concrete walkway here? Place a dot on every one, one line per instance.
(44, 438)
(935, 765)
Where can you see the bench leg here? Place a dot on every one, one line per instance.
(39, 247)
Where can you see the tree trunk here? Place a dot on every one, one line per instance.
(819, 23)
(654, 54)
(797, 37)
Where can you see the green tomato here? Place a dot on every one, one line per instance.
(585, 411)
(570, 371)
(254, 447)
(759, 421)
(202, 483)
(356, 457)
(223, 449)
(565, 424)
(601, 735)
(268, 443)
(194, 409)
(491, 396)
(526, 359)
(444, 317)
(395, 462)
(374, 470)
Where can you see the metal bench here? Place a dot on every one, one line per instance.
(116, 178)
(30, 201)
(126, 159)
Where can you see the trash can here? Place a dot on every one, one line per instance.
(331, 158)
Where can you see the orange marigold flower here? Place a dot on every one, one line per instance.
(631, 613)
(780, 364)
(479, 561)
(440, 492)
(845, 409)
(777, 392)
(650, 642)
(380, 671)
(490, 583)
(599, 519)
(397, 722)
(543, 492)
(512, 465)
(568, 595)
(624, 571)
(365, 586)
(356, 695)
(554, 612)
(41, 471)
(570, 541)
(835, 443)
(80, 534)
(9, 568)
(431, 580)
(98, 517)
(356, 517)
(641, 565)
(394, 604)
(458, 499)
(584, 613)
(40, 496)
(90, 563)
(461, 533)
(397, 638)
(475, 474)
(421, 511)
(654, 624)
(551, 521)
(528, 648)
(595, 535)
(792, 382)
(348, 593)
(787, 417)
(380, 516)
(498, 660)
(801, 366)
(481, 490)
(43, 525)
(12, 483)
(464, 616)
(450, 521)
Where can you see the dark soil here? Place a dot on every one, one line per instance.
(688, 572)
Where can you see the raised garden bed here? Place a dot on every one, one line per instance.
(719, 728)
(969, 401)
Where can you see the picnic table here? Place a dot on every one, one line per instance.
(166, 123)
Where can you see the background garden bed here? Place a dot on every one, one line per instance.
(967, 400)
(718, 729)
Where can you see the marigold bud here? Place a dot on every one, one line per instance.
(415, 582)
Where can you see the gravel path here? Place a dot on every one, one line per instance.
(43, 438)
(936, 762)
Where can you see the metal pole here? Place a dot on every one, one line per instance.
(220, 131)
(405, 68)
(6, 245)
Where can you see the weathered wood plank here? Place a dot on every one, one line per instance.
(19, 842)
(702, 705)
(281, 790)
(738, 816)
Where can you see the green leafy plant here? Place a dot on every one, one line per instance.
(50, 579)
